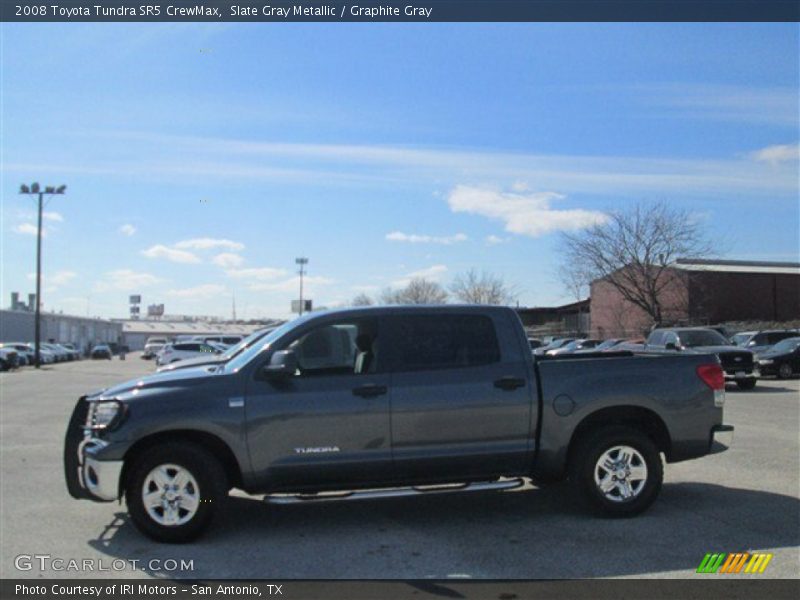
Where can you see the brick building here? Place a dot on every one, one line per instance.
(704, 292)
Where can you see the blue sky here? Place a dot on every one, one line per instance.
(201, 159)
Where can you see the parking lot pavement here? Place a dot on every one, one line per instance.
(747, 499)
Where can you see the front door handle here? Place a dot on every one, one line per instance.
(509, 383)
(370, 390)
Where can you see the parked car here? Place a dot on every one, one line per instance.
(574, 346)
(225, 339)
(61, 354)
(8, 359)
(534, 343)
(175, 352)
(604, 346)
(23, 351)
(102, 351)
(739, 365)
(76, 354)
(216, 359)
(47, 357)
(553, 345)
(760, 341)
(783, 359)
(376, 402)
(153, 346)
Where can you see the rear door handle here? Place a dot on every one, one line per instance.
(509, 383)
(370, 390)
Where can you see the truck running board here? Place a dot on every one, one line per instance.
(484, 486)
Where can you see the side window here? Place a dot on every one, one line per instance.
(426, 342)
(656, 338)
(671, 338)
(207, 348)
(345, 348)
(231, 340)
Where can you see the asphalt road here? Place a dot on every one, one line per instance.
(747, 499)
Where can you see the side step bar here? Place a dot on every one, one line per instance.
(508, 484)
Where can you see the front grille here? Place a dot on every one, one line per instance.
(736, 360)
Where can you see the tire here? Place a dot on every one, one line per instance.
(203, 491)
(746, 384)
(612, 442)
(785, 371)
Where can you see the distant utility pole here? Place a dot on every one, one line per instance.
(302, 261)
(34, 190)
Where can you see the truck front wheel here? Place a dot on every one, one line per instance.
(174, 490)
(618, 470)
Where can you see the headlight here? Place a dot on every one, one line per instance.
(104, 414)
(766, 361)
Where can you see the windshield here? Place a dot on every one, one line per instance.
(701, 337)
(740, 339)
(248, 354)
(607, 344)
(787, 345)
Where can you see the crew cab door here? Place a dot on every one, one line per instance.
(461, 396)
(328, 425)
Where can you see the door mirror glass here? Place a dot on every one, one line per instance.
(283, 364)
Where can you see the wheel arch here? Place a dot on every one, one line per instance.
(637, 417)
(203, 439)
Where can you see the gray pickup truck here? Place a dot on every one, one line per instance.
(388, 401)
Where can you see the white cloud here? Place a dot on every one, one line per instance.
(127, 229)
(125, 280)
(28, 229)
(412, 238)
(52, 216)
(207, 290)
(208, 159)
(227, 260)
(292, 285)
(171, 254)
(52, 282)
(209, 243)
(257, 273)
(777, 154)
(432, 273)
(523, 213)
(493, 240)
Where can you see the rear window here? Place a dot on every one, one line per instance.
(426, 342)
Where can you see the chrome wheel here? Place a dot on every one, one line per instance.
(170, 495)
(620, 473)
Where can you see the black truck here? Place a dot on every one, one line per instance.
(738, 364)
(386, 401)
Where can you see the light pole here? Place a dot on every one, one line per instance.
(34, 190)
(302, 261)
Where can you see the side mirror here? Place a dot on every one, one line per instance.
(282, 365)
(670, 346)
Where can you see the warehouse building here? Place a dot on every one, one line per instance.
(705, 292)
(84, 332)
(135, 333)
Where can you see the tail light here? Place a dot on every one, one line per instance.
(714, 377)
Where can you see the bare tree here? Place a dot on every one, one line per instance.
(472, 287)
(362, 300)
(633, 251)
(418, 291)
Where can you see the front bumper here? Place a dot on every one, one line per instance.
(86, 476)
(721, 438)
(741, 374)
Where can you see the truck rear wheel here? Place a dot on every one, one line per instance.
(174, 490)
(618, 470)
